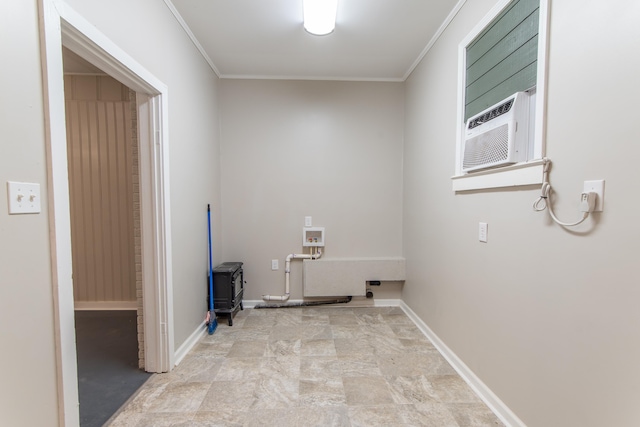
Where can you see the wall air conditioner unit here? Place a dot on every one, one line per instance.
(498, 136)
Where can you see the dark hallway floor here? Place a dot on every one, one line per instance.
(108, 373)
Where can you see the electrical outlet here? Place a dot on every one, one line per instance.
(307, 221)
(483, 229)
(274, 264)
(596, 186)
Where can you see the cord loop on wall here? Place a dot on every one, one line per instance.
(544, 201)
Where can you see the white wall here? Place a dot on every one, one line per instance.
(290, 149)
(26, 299)
(547, 318)
(148, 32)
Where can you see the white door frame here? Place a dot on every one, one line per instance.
(60, 25)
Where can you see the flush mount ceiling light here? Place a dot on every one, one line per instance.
(319, 16)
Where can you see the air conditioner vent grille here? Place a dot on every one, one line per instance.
(492, 114)
(487, 149)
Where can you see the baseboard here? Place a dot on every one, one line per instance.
(105, 305)
(189, 343)
(494, 403)
(250, 303)
(387, 302)
(375, 302)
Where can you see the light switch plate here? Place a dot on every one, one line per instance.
(24, 197)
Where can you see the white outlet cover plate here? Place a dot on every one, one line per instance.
(596, 186)
(24, 197)
(482, 231)
(307, 221)
(274, 264)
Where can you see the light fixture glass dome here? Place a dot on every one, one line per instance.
(319, 16)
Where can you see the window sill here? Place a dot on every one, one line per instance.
(529, 173)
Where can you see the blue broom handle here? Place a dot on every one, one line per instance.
(210, 260)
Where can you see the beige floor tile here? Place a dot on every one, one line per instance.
(281, 366)
(358, 366)
(315, 319)
(378, 330)
(329, 416)
(413, 364)
(419, 345)
(473, 415)
(406, 331)
(365, 318)
(397, 319)
(125, 419)
(197, 369)
(346, 331)
(240, 369)
(147, 394)
(452, 389)
(329, 310)
(255, 348)
(238, 395)
(212, 349)
(221, 417)
(435, 364)
(317, 332)
(367, 391)
(283, 348)
(179, 397)
(176, 419)
(288, 317)
(357, 346)
(244, 334)
(318, 348)
(343, 319)
(410, 390)
(427, 414)
(259, 322)
(402, 364)
(275, 392)
(320, 367)
(384, 344)
(286, 332)
(310, 366)
(321, 392)
(379, 415)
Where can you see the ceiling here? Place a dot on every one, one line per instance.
(378, 40)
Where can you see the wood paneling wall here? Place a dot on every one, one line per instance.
(101, 189)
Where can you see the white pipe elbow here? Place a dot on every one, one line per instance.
(287, 271)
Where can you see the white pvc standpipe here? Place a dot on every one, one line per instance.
(287, 271)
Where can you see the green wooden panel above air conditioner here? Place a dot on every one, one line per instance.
(503, 58)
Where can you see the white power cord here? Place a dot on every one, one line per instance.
(587, 200)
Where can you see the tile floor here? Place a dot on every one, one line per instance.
(310, 366)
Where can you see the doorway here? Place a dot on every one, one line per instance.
(104, 194)
(61, 26)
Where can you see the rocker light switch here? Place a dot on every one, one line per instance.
(24, 197)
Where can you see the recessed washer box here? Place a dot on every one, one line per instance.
(313, 236)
